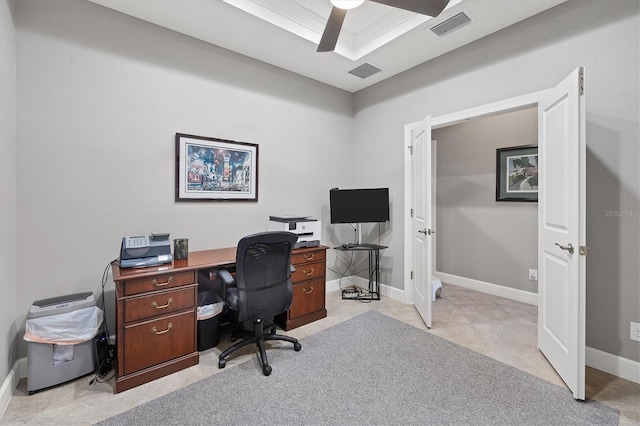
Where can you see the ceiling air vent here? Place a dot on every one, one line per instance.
(454, 23)
(365, 70)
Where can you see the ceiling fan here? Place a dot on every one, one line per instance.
(340, 7)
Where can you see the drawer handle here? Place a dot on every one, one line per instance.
(155, 330)
(157, 284)
(308, 273)
(307, 292)
(309, 257)
(154, 304)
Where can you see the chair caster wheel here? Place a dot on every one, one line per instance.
(297, 346)
(222, 363)
(266, 370)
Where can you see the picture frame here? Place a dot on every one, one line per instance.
(212, 169)
(517, 173)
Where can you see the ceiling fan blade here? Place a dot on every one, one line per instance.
(424, 7)
(332, 30)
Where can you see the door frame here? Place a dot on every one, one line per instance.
(437, 122)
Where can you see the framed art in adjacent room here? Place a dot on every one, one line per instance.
(211, 169)
(517, 173)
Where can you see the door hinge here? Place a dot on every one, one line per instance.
(411, 213)
(584, 250)
(411, 274)
(410, 149)
(581, 82)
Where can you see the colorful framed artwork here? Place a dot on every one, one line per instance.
(211, 169)
(517, 173)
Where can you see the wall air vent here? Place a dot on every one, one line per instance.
(365, 70)
(454, 23)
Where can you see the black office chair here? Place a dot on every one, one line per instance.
(262, 289)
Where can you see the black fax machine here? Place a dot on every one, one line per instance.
(145, 250)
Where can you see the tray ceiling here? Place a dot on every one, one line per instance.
(285, 33)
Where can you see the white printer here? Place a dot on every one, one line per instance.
(306, 228)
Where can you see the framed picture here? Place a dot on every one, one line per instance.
(517, 173)
(210, 169)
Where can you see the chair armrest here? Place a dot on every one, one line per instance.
(229, 290)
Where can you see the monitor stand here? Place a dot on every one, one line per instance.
(358, 234)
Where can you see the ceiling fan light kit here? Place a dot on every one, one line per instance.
(338, 12)
(346, 4)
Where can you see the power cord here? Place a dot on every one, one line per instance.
(340, 274)
(104, 351)
(105, 364)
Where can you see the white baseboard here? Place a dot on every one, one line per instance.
(332, 285)
(613, 364)
(405, 296)
(19, 371)
(489, 288)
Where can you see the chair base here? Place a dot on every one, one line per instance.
(258, 338)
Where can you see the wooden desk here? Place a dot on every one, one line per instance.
(156, 310)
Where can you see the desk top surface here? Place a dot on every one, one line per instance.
(203, 259)
(197, 260)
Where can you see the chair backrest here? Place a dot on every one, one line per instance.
(263, 274)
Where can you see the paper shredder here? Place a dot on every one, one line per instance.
(46, 367)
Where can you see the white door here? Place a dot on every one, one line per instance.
(562, 231)
(421, 220)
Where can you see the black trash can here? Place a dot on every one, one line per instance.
(209, 325)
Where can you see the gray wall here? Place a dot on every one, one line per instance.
(8, 273)
(100, 98)
(479, 237)
(530, 56)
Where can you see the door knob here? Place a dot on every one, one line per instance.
(423, 231)
(568, 247)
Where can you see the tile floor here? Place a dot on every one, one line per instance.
(497, 327)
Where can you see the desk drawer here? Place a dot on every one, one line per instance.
(158, 282)
(308, 257)
(153, 342)
(308, 272)
(158, 303)
(308, 297)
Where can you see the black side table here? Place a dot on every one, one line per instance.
(374, 272)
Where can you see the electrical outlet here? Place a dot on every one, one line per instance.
(533, 274)
(634, 331)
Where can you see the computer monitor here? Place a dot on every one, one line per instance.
(364, 205)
